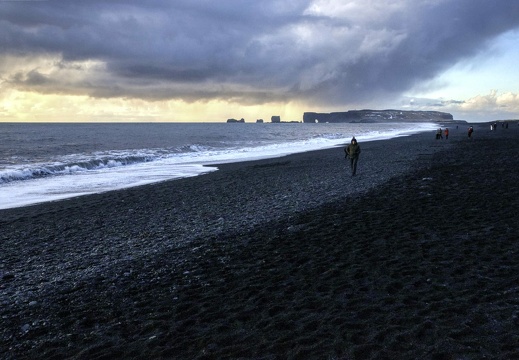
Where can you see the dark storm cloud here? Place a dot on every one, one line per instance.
(248, 51)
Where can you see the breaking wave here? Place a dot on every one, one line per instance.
(43, 170)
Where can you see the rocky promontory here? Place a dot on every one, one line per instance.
(373, 116)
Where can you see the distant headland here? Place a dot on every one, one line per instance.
(374, 116)
(366, 116)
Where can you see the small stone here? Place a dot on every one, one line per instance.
(8, 277)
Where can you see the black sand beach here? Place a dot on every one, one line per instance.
(287, 258)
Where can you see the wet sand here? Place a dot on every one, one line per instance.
(287, 258)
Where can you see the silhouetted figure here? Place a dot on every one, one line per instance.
(352, 152)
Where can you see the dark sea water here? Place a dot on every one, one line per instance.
(45, 162)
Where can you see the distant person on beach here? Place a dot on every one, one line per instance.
(438, 134)
(352, 152)
(446, 133)
(471, 130)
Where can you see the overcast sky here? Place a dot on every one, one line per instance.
(191, 60)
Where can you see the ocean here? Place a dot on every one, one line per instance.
(47, 162)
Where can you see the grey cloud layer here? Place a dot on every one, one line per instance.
(248, 51)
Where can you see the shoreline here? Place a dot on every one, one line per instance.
(287, 257)
(29, 193)
(219, 165)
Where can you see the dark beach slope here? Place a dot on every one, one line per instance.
(415, 258)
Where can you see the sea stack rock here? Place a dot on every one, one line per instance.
(242, 120)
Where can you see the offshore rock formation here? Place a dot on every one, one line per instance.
(242, 120)
(373, 116)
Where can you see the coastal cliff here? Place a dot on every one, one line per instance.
(373, 116)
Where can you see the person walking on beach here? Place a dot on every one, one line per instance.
(446, 133)
(471, 130)
(352, 152)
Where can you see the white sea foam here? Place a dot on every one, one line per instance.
(73, 175)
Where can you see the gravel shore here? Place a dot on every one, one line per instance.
(415, 257)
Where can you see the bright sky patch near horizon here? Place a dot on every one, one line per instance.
(203, 60)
